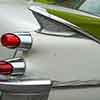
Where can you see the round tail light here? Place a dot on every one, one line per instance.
(15, 66)
(19, 40)
(5, 68)
(10, 40)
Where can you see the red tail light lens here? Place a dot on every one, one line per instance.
(20, 40)
(5, 68)
(10, 40)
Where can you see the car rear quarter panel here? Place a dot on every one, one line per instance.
(56, 58)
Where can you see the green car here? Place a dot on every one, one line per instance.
(89, 24)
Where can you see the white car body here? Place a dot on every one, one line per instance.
(62, 59)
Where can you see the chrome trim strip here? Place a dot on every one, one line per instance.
(76, 84)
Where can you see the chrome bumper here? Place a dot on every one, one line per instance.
(29, 88)
(26, 86)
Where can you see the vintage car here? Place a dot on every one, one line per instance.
(48, 52)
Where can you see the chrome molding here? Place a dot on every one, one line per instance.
(43, 87)
(26, 40)
(19, 66)
(76, 84)
(62, 34)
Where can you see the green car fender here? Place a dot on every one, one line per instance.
(88, 24)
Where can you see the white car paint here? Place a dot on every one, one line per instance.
(56, 58)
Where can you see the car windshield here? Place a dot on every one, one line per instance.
(91, 6)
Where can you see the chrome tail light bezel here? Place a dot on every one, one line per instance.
(17, 67)
(25, 40)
